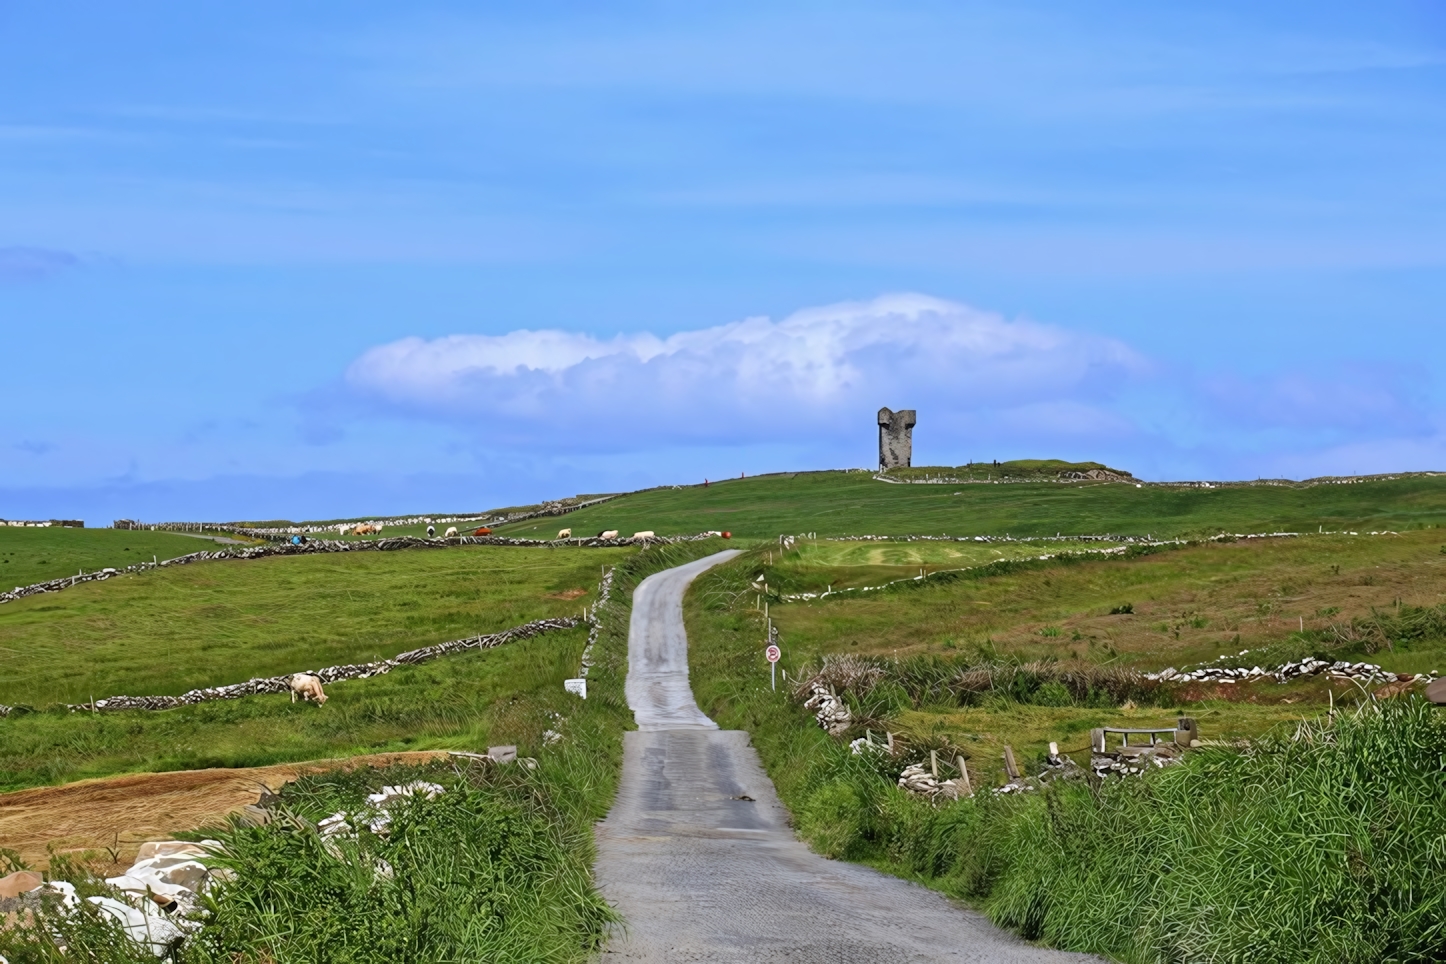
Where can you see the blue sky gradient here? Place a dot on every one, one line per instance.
(260, 262)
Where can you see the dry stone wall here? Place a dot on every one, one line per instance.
(561, 507)
(314, 546)
(330, 674)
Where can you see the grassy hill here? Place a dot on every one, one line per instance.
(854, 503)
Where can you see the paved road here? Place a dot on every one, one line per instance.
(698, 855)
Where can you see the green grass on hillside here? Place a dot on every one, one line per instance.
(167, 631)
(985, 471)
(852, 503)
(1319, 844)
(461, 702)
(1187, 604)
(32, 555)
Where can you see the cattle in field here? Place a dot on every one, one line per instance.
(451, 531)
(564, 533)
(308, 687)
(483, 531)
(608, 534)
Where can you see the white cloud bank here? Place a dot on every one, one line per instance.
(816, 375)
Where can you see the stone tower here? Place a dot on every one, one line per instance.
(896, 438)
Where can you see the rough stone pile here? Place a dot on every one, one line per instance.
(917, 779)
(331, 674)
(1109, 764)
(1310, 666)
(375, 815)
(831, 712)
(161, 893)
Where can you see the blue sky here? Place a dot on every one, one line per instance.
(301, 260)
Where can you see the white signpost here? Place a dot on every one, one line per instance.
(773, 653)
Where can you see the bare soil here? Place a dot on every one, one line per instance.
(105, 821)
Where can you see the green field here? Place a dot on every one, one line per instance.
(1279, 599)
(164, 632)
(852, 503)
(463, 702)
(31, 555)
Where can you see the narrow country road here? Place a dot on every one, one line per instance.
(698, 856)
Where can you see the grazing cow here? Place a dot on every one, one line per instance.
(451, 531)
(431, 531)
(564, 533)
(645, 534)
(608, 534)
(483, 531)
(308, 687)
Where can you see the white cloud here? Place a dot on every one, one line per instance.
(813, 375)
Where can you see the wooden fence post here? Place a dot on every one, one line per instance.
(1010, 767)
(964, 777)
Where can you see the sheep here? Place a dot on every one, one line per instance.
(608, 534)
(564, 533)
(431, 532)
(308, 687)
(451, 531)
(364, 530)
(645, 534)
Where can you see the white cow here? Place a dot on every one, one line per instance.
(564, 533)
(308, 687)
(451, 531)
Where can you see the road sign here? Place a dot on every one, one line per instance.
(773, 653)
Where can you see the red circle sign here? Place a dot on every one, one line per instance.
(773, 653)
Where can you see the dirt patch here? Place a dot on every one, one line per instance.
(113, 816)
(568, 594)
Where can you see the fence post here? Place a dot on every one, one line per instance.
(1010, 766)
(964, 776)
(934, 763)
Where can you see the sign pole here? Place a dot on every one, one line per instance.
(773, 675)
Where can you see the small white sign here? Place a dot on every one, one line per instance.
(578, 686)
(773, 653)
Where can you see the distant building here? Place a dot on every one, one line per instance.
(896, 438)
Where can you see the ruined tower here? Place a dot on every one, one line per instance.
(896, 438)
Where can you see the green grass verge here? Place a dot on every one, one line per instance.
(166, 631)
(31, 555)
(1324, 848)
(852, 503)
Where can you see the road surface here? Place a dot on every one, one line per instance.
(697, 852)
